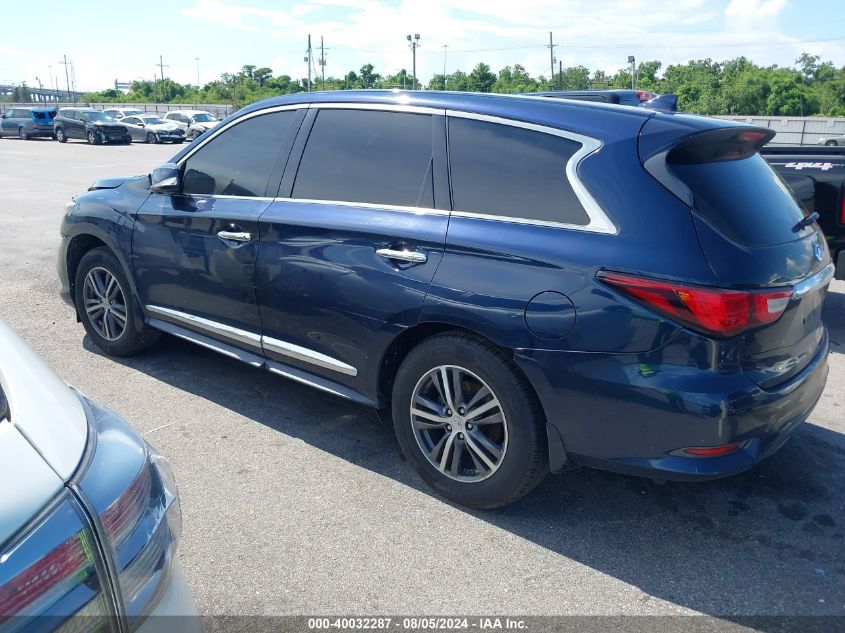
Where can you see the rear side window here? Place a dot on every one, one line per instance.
(745, 200)
(239, 161)
(368, 156)
(507, 171)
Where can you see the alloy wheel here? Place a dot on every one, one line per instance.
(105, 303)
(459, 423)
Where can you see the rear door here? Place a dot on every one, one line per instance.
(752, 230)
(194, 252)
(348, 253)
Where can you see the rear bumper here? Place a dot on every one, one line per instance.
(628, 412)
(175, 611)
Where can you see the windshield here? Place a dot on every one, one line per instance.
(152, 120)
(93, 117)
(204, 117)
(132, 112)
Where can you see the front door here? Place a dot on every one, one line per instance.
(194, 252)
(347, 257)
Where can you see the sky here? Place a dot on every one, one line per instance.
(111, 40)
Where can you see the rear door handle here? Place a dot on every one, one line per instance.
(410, 256)
(235, 236)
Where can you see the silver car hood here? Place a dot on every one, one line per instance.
(44, 440)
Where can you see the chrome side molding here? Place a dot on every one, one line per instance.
(249, 338)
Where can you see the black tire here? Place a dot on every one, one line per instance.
(831, 143)
(60, 135)
(180, 141)
(131, 341)
(151, 138)
(23, 134)
(53, 136)
(524, 462)
(93, 139)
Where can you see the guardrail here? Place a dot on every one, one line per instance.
(219, 110)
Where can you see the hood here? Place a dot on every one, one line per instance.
(160, 127)
(44, 437)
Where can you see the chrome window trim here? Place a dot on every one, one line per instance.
(307, 355)
(261, 342)
(824, 276)
(369, 205)
(599, 221)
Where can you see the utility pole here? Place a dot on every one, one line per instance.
(161, 67)
(67, 77)
(445, 46)
(413, 43)
(322, 63)
(633, 63)
(552, 58)
(307, 60)
(197, 60)
(560, 74)
(73, 80)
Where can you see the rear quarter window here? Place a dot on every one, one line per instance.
(507, 171)
(745, 200)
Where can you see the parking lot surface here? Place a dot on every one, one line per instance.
(296, 502)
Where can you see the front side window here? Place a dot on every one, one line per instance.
(239, 161)
(131, 120)
(368, 156)
(508, 171)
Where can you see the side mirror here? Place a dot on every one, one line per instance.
(165, 179)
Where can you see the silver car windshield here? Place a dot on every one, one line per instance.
(152, 120)
(203, 118)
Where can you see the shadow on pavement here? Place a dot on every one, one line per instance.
(769, 541)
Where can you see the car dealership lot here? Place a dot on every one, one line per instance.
(297, 503)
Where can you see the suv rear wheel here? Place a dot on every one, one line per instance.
(103, 300)
(468, 423)
(23, 133)
(60, 135)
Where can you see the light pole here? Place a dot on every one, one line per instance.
(413, 43)
(445, 46)
(633, 63)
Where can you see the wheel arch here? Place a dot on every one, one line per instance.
(83, 243)
(409, 338)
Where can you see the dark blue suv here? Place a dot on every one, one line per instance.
(520, 284)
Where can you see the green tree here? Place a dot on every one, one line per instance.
(481, 79)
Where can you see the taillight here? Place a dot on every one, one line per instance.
(712, 311)
(123, 515)
(713, 451)
(51, 573)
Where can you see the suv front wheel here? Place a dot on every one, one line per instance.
(468, 422)
(93, 139)
(103, 300)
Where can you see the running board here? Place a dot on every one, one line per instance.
(292, 373)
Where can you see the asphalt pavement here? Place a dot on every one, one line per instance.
(295, 502)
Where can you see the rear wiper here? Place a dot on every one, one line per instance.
(805, 222)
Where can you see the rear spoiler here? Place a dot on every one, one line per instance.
(670, 144)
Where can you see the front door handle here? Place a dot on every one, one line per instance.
(410, 256)
(235, 236)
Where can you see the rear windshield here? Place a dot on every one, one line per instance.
(44, 115)
(745, 200)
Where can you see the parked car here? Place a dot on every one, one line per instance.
(89, 512)
(151, 129)
(817, 177)
(118, 114)
(27, 123)
(831, 141)
(551, 283)
(89, 124)
(194, 122)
